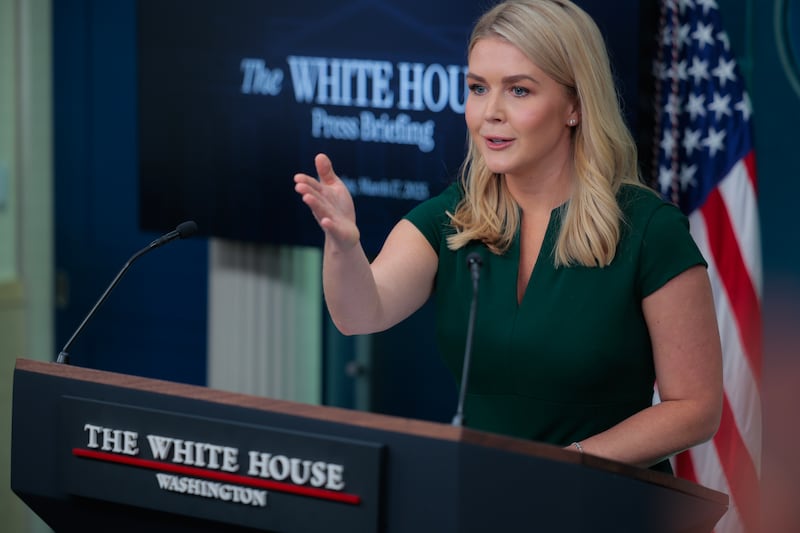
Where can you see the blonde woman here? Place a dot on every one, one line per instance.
(592, 289)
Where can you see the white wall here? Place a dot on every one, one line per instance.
(26, 236)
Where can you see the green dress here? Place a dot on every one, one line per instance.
(574, 357)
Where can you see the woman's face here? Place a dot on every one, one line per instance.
(518, 116)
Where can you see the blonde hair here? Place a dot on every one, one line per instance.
(563, 41)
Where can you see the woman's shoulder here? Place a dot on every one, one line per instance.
(438, 205)
(657, 233)
(638, 197)
(639, 203)
(451, 195)
(431, 216)
(648, 215)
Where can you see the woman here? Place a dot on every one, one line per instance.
(592, 289)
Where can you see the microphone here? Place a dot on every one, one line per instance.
(183, 231)
(474, 262)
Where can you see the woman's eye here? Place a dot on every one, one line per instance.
(519, 91)
(477, 89)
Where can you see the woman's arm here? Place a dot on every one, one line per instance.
(364, 297)
(688, 362)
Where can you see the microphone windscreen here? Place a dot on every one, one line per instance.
(186, 229)
(474, 258)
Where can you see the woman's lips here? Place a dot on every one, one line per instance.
(498, 143)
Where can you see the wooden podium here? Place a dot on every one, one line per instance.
(99, 451)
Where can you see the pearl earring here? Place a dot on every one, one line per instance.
(572, 122)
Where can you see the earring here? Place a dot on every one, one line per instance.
(572, 122)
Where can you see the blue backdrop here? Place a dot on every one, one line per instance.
(235, 98)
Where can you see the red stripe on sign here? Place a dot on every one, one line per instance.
(311, 492)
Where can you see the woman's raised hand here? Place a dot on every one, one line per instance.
(330, 202)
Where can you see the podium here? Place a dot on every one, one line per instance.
(101, 451)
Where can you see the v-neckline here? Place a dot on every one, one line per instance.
(545, 247)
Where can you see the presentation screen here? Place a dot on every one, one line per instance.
(235, 97)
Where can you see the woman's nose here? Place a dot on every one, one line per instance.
(494, 110)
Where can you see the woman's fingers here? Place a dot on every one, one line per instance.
(330, 202)
(325, 169)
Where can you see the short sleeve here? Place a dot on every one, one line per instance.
(430, 217)
(668, 249)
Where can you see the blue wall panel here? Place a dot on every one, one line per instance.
(154, 323)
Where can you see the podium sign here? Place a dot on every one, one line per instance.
(98, 451)
(248, 475)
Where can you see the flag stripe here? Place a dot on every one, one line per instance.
(684, 467)
(739, 470)
(750, 163)
(741, 293)
(710, 473)
(739, 194)
(746, 403)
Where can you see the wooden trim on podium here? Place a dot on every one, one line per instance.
(418, 428)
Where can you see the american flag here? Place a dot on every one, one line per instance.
(705, 163)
